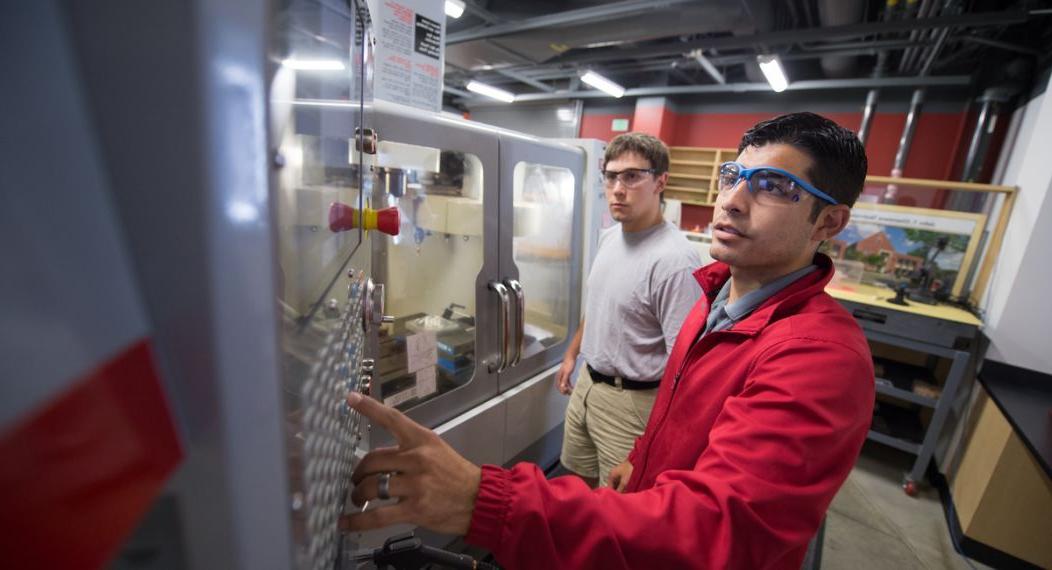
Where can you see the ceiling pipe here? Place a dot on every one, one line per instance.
(984, 127)
(978, 147)
(930, 61)
(839, 13)
(482, 13)
(905, 141)
(545, 73)
(708, 67)
(1000, 45)
(927, 8)
(569, 17)
(920, 56)
(528, 81)
(788, 37)
(867, 115)
(821, 84)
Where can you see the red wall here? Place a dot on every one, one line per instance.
(937, 152)
(933, 150)
(934, 153)
(598, 126)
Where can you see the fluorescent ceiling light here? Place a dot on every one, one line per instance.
(490, 91)
(773, 71)
(564, 114)
(314, 64)
(603, 84)
(454, 8)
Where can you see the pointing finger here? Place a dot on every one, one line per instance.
(405, 430)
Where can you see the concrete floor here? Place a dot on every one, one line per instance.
(873, 524)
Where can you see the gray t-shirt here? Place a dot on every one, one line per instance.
(640, 290)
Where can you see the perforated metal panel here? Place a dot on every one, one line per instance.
(324, 433)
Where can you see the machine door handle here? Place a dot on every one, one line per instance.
(505, 325)
(520, 318)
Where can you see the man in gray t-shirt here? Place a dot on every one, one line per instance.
(639, 290)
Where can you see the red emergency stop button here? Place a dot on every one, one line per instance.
(343, 217)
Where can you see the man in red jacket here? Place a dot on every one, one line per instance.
(764, 405)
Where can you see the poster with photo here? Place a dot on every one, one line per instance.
(898, 244)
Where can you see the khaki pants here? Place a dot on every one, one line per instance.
(602, 424)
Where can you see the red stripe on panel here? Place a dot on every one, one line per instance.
(78, 473)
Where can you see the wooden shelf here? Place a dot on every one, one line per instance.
(694, 170)
(704, 177)
(675, 188)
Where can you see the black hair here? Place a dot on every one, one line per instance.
(838, 157)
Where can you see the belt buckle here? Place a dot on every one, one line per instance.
(617, 383)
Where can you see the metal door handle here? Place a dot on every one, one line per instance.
(520, 318)
(505, 325)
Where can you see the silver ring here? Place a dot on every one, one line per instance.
(384, 486)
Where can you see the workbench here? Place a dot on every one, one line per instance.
(936, 330)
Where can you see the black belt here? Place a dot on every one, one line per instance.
(618, 382)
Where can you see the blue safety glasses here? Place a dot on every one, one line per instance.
(768, 184)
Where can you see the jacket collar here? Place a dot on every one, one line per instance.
(712, 277)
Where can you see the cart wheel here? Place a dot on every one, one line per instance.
(910, 487)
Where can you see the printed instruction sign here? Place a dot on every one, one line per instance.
(421, 350)
(425, 382)
(425, 386)
(409, 56)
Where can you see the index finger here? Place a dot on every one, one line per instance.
(405, 430)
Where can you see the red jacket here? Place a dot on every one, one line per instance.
(754, 429)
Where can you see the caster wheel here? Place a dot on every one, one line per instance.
(910, 488)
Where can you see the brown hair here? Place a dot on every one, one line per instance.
(649, 147)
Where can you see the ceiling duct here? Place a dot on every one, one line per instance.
(840, 13)
(521, 43)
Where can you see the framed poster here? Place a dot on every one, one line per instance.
(895, 244)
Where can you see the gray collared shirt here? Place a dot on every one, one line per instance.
(722, 315)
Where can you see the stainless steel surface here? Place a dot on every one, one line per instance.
(369, 311)
(546, 179)
(520, 319)
(71, 279)
(209, 293)
(505, 326)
